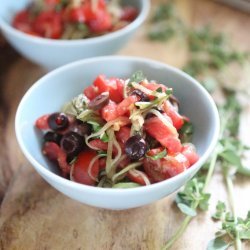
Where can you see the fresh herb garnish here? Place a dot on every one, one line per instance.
(137, 77)
(210, 53)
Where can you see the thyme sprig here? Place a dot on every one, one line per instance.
(210, 53)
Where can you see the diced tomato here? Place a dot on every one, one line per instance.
(80, 168)
(109, 112)
(123, 134)
(116, 90)
(52, 3)
(137, 176)
(55, 153)
(125, 162)
(102, 163)
(99, 144)
(77, 15)
(155, 170)
(101, 23)
(176, 118)
(22, 21)
(101, 83)
(48, 24)
(113, 85)
(166, 135)
(129, 13)
(169, 166)
(190, 153)
(91, 92)
(126, 104)
(175, 164)
(51, 150)
(153, 86)
(42, 122)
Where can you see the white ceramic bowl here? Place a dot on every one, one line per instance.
(53, 53)
(49, 94)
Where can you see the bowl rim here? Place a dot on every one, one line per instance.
(138, 190)
(7, 27)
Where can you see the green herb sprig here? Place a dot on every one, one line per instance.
(210, 52)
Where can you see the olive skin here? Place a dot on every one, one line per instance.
(99, 102)
(72, 143)
(143, 97)
(135, 147)
(52, 137)
(58, 121)
(82, 128)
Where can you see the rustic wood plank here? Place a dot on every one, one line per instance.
(36, 216)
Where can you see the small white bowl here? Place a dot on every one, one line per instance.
(49, 94)
(50, 53)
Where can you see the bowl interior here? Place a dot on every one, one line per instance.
(53, 90)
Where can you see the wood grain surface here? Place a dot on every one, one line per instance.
(33, 215)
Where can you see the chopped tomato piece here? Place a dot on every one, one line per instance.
(116, 90)
(102, 163)
(126, 104)
(91, 92)
(55, 153)
(77, 15)
(169, 166)
(166, 135)
(99, 144)
(80, 168)
(137, 176)
(123, 134)
(101, 23)
(129, 13)
(109, 112)
(113, 85)
(153, 86)
(189, 151)
(22, 21)
(42, 122)
(175, 164)
(49, 24)
(176, 118)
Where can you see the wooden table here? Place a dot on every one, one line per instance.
(36, 216)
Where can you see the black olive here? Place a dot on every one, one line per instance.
(99, 102)
(72, 143)
(143, 97)
(52, 137)
(135, 147)
(149, 115)
(174, 101)
(58, 121)
(81, 128)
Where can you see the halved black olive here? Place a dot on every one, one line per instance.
(135, 147)
(52, 137)
(72, 143)
(81, 128)
(174, 101)
(58, 121)
(143, 97)
(99, 102)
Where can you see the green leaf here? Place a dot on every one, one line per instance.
(232, 158)
(104, 137)
(138, 76)
(158, 156)
(220, 210)
(218, 244)
(126, 185)
(186, 209)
